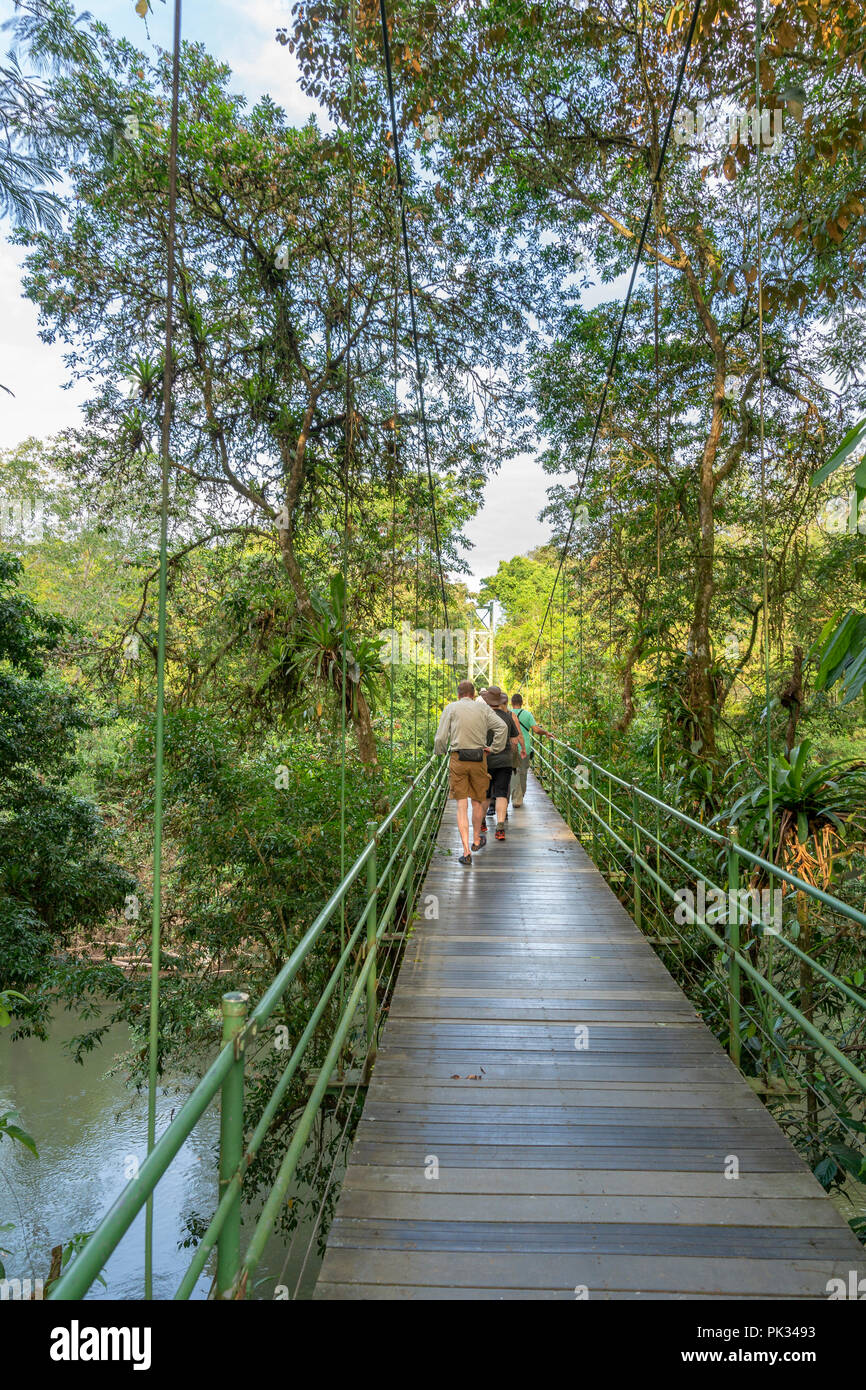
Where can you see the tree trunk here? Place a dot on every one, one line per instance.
(699, 682)
(634, 654)
(791, 697)
(364, 731)
(358, 710)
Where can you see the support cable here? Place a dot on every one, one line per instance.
(625, 308)
(347, 466)
(411, 289)
(764, 557)
(153, 1022)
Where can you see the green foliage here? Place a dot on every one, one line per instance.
(47, 35)
(10, 1129)
(73, 1247)
(804, 799)
(318, 654)
(57, 878)
(840, 654)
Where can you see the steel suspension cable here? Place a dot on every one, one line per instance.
(761, 371)
(394, 465)
(347, 456)
(609, 720)
(625, 308)
(165, 444)
(395, 135)
(658, 542)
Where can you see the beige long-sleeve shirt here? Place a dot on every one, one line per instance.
(467, 724)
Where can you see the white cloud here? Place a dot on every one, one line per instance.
(507, 524)
(34, 370)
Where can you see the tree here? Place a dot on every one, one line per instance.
(57, 877)
(48, 36)
(565, 141)
(267, 322)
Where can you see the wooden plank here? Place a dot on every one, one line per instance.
(432, 1205)
(605, 1165)
(756, 1159)
(558, 1273)
(433, 1293)
(798, 1183)
(608, 1094)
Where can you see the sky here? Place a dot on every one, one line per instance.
(44, 403)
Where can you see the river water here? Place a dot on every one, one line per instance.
(89, 1127)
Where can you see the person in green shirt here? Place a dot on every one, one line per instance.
(528, 727)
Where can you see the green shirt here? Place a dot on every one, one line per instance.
(526, 720)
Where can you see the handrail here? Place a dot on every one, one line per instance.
(737, 960)
(82, 1271)
(727, 841)
(423, 798)
(753, 920)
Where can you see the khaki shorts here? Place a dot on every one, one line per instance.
(468, 779)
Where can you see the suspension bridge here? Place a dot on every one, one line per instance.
(549, 1117)
(545, 1113)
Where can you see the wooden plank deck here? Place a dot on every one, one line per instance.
(562, 1169)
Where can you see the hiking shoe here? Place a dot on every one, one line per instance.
(500, 831)
(465, 859)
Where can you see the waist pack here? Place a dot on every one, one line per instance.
(470, 755)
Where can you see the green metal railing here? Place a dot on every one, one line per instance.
(613, 816)
(409, 830)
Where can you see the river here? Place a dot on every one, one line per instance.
(89, 1127)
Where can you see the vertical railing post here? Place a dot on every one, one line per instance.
(635, 841)
(610, 816)
(733, 938)
(410, 876)
(807, 1006)
(372, 892)
(591, 789)
(234, 1011)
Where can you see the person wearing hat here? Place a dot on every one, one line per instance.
(528, 727)
(518, 751)
(500, 763)
(518, 745)
(469, 731)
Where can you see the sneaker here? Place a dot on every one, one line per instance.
(482, 841)
(500, 831)
(465, 859)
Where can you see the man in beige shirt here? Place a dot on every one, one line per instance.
(470, 728)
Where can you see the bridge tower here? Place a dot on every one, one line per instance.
(481, 648)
